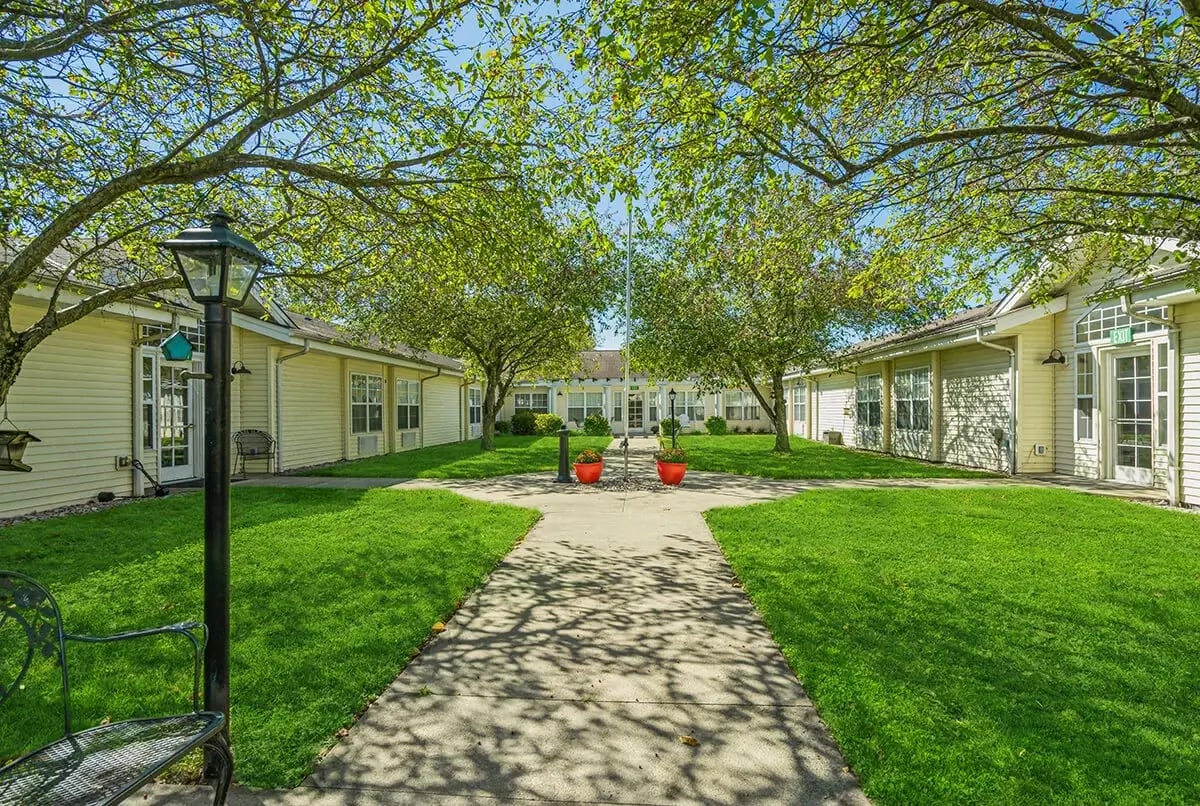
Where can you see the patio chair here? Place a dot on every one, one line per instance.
(253, 444)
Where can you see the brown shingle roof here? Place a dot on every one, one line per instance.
(331, 333)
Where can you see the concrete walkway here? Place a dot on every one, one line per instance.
(610, 658)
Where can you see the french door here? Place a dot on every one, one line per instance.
(174, 430)
(636, 420)
(1132, 421)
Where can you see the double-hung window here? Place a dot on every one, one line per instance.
(690, 405)
(581, 405)
(740, 405)
(870, 405)
(475, 407)
(537, 402)
(408, 405)
(799, 403)
(1160, 398)
(366, 403)
(1085, 396)
(912, 399)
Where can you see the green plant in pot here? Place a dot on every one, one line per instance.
(671, 464)
(589, 464)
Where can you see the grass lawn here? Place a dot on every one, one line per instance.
(333, 591)
(1011, 645)
(752, 455)
(464, 460)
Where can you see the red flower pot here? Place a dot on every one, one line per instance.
(589, 473)
(671, 472)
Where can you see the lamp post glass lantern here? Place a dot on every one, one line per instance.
(219, 267)
(674, 424)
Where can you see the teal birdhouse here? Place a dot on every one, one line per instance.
(176, 347)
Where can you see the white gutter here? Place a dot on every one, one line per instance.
(1012, 397)
(279, 402)
(1174, 446)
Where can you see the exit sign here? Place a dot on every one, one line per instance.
(1120, 335)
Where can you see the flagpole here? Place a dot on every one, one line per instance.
(628, 314)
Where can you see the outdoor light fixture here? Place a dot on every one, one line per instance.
(12, 446)
(219, 268)
(239, 369)
(1055, 357)
(217, 264)
(674, 422)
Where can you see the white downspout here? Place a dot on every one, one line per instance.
(1174, 448)
(279, 402)
(1012, 397)
(421, 393)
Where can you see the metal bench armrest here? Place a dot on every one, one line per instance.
(194, 631)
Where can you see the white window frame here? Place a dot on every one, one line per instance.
(1095, 325)
(408, 399)
(688, 404)
(906, 389)
(585, 404)
(799, 404)
(537, 402)
(740, 405)
(366, 393)
(1162, 389)
(474, 406)
(1082, 359)
(863, 383)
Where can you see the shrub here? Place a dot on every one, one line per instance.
(589, 457)
(524, 423)
(736, 429)
(547, 423)
(716, 425)
(597, 425)
(672, 456)
(670, 426)
(503, 427)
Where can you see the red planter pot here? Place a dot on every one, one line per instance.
(671, 472)
(589, 473)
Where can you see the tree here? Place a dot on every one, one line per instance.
(123, 122)
(515, 296)
(993, 130)
(741, 301)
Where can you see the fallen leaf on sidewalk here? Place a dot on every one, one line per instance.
(439, 626)
(690, 741)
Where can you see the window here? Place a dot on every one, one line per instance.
(537, 402)
(475, 406)
(408, 405)
(196, 335)
(366, 403)
(740, 405)
(1085, 396)
(912, 399)
(1103, 319)
(690, 405)
(870, 394)
(148, 408)
(581, 405)
(1160, 400)
(800, 403)
(652, 402)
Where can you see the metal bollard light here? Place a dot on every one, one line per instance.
(564, 459)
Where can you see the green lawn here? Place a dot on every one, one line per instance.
(333, 591)
(464, 460)
(752, 455)
(1002, 646)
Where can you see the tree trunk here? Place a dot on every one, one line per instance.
(779, 415)
(487, 439)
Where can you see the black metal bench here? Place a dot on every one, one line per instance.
(107, 763)
(253, 444)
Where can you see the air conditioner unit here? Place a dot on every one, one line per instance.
(408, 439)
(368, 445)
(832, 437)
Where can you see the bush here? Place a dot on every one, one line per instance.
(547, 424)
(672, 456)
(670, 426)
(716, 425)
(597, 425)
(503, 427)
(524, 423)
(736, 429)
(589, 457)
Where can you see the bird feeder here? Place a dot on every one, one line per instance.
(12, 447)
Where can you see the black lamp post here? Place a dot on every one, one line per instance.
(219, 267)
(674, 425)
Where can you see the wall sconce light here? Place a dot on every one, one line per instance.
(1055, 357)
(240, 369)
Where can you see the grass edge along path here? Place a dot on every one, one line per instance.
(752, 455)
(1015, 645)
(463, 460)
(333, 591)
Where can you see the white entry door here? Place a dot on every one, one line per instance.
(636, 421)
(1132, 423)
(177, 431)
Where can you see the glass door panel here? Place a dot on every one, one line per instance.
(175, 425)
(635, 411)
(1133, 445)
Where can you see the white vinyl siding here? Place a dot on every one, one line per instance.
(314, 418)
(441, 410)
(1188, 373)
(834, 405)
(975, 407)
